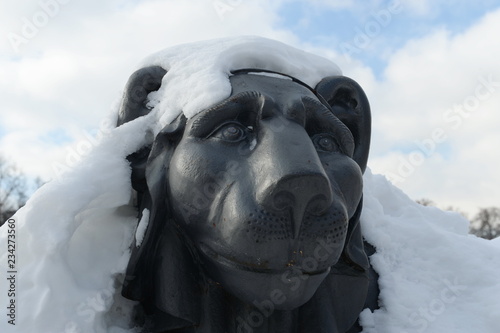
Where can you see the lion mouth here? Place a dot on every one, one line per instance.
(258, 267)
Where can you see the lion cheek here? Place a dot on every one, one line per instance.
(347, 180)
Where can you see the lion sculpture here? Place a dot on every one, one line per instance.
(253, 207)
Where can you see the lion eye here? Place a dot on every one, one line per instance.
(325, 142)
(231, 132)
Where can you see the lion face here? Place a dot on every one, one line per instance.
(264, 185)
(254, 205)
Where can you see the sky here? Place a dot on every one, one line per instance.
(429, 68)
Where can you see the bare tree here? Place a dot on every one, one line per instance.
(486, 223)
(12, 189)
(425, 202)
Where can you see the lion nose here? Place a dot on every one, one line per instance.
(289, 175)
(299, 194)
(310, 191)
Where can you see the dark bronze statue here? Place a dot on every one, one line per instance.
(254, 209)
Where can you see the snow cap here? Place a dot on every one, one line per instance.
(198, 73)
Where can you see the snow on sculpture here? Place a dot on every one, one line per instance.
(74, 236)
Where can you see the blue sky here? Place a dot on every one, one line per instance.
(58, 85)
(330, 27)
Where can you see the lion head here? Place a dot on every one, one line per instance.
(254, 207)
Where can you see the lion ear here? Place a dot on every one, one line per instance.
(349, 103)
(135, 98)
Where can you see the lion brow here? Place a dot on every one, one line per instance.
(247, 104)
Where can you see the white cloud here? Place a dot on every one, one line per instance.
(333, 4)
(424, 85)
(419, 7)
